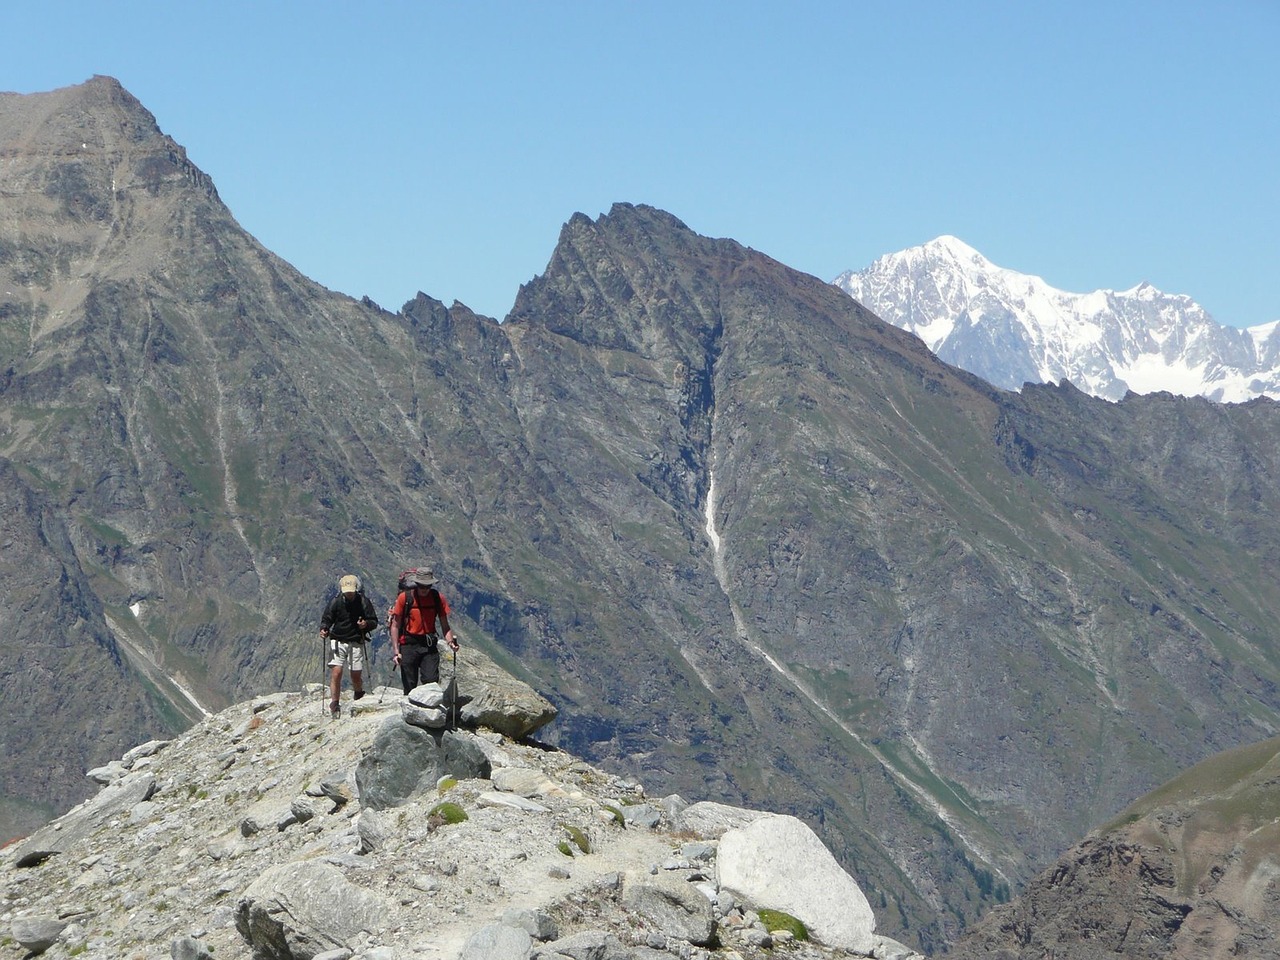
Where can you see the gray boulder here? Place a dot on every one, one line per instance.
(497, 941)
(710, 820)
(674, 906)
(37, 934)
(144, 750)
(641, 815)
(108, 773)
(598, 945)
(73, 827)
(428, 695)
(297, 910)
(429, 718)
(534, 922)
(779, 863)
(426, 707)
(488, 696)
(189, 948)
(373, 830)
(404, 761)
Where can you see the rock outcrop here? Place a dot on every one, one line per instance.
(271, 831)
(779, 863)
(1189, 872)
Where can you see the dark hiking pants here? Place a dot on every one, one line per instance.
(419, 663)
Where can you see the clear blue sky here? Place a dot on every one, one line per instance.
(389, 147)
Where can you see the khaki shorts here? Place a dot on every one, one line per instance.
(346, 655)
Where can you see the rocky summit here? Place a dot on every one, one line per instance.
(271, 831)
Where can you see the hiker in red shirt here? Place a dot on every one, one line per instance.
(413, 626)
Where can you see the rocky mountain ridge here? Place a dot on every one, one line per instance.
(752, 542)
(269, 830)
(1012, 328)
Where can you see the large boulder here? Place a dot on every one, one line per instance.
(73, 827)
(297, 910)
(488, 696)
(37, 934)
(497, 941)
(427, 706)
(405, 760)
(709, 820)
(777, 862)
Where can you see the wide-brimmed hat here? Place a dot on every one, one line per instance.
(421, 577)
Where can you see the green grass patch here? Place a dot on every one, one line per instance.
(618, 818)
(775, 920)
(448, 813)
(578, 837)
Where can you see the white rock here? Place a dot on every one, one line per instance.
(779, 863)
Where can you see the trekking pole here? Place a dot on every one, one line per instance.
(324, 676)
(454, 684)
(368, 663)
(392, 664)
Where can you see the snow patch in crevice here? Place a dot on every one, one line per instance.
(712, 535)
(146, 662)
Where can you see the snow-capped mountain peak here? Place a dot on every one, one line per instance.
(1012, 328)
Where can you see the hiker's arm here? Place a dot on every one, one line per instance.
(448, 631)
(393, 628)
(326, 620)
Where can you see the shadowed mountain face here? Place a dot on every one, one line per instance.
(755, 544)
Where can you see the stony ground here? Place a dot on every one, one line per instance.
(265, 783)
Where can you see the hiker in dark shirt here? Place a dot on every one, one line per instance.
(415, 635)
(345, 623)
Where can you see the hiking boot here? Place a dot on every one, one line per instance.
(333, 709)
(358, 695)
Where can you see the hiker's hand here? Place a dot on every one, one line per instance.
(324, 634)
(395, 658)
(451, 640)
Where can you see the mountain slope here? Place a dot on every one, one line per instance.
(1188, 871)
(1011, 328)
(752, 541)
(223, 437)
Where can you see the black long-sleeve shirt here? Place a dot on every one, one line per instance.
(341, 614)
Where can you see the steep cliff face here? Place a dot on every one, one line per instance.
(754, 543)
